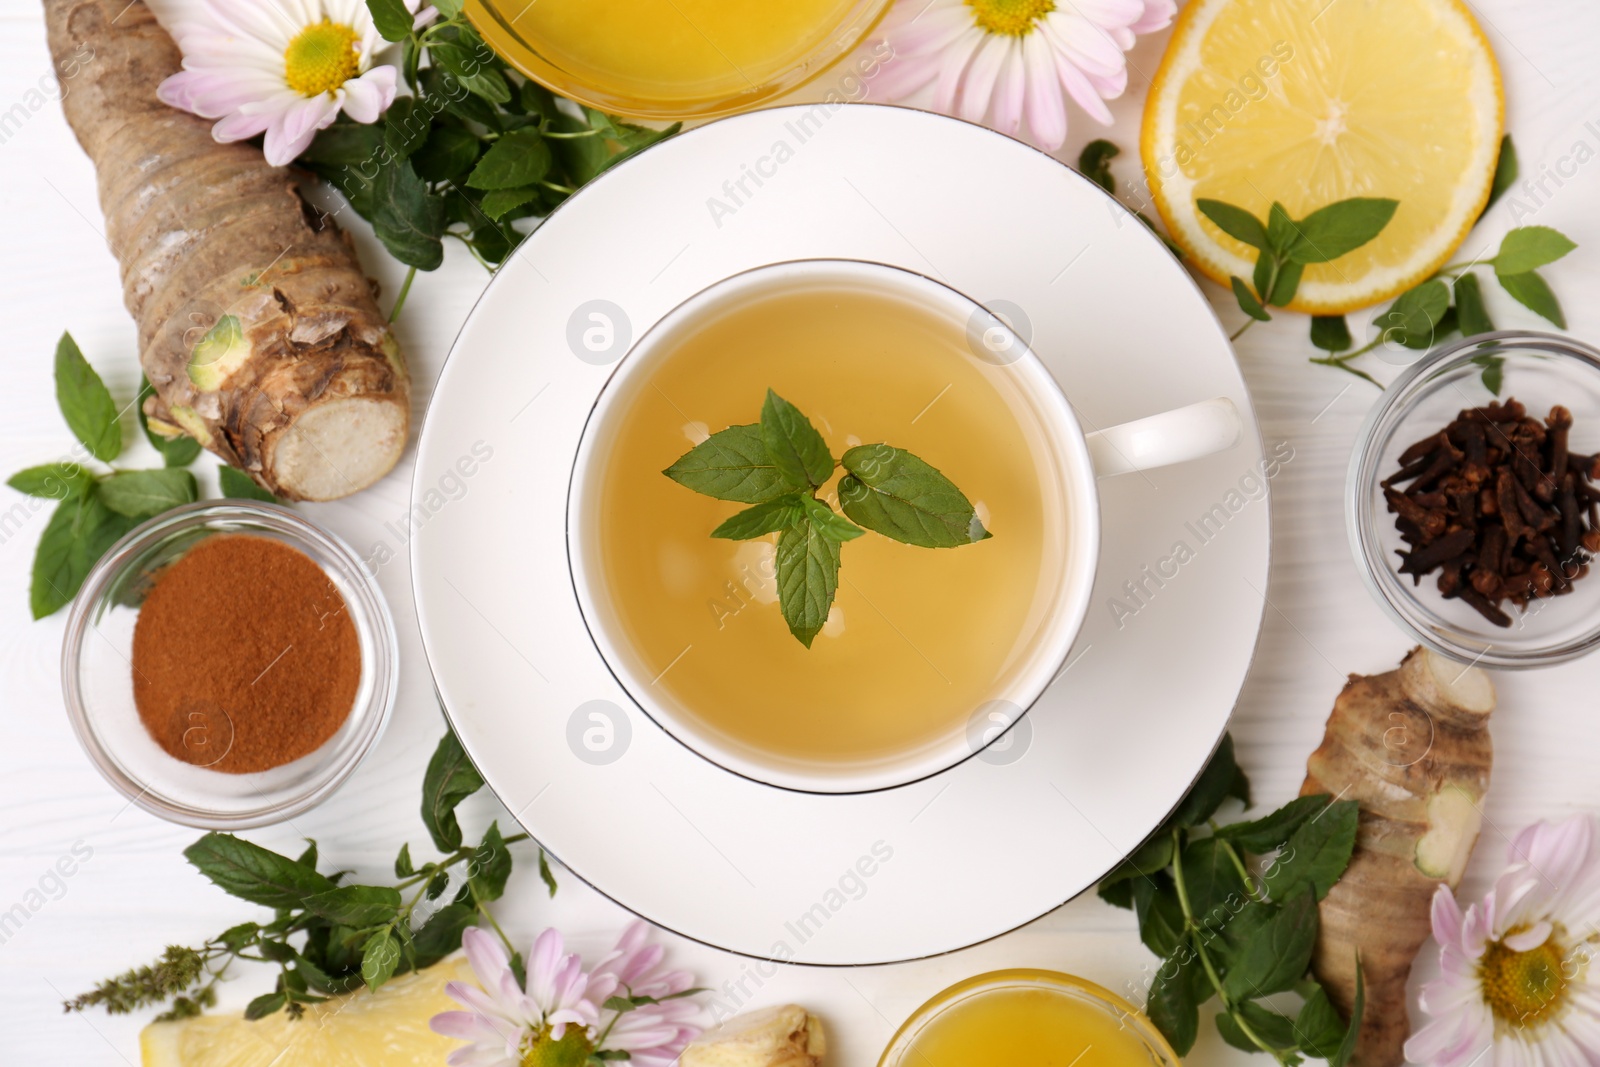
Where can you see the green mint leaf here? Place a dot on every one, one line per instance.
(252, 873)
(731, 464)
(497, 202)
(1286, 284)
(1152, 856)
(237, 485)
(545, 876)
(406, 217)
(356, 905)
(53, 481)
(892, 492)
(1236, 222)
(79, 532)
(309, 855)
(1270, 832)
(489, 868)
(1529, 248)
(1212, 882)
(796, 448)
(1533, 292)
(1161, 926)
(449, 9)
(391, 18)
(1494, 370)
(808, 578)
(441, 934)
(1506, 171)
(1316, 853)
(640, 145)
(237, 937)
(1281, 232)
(447, 154)
(471, 67)
(86, 402)
(264, 1005)
(141, 494)
(379, 959)
(1173, 1004)
(437, 884)
(443, 90)
(1277, 954)
(1413, 318)
(1330, 333)
(1232, 938)
(406, 123)
(1471, 314)
(1209, 790)
(1273, 1028)
(1341, 227)
(1094, 163)
(829, 522)
(178, 451)
(762, 519)
(1118, 894)
(1247, 300)
(450, 779)
(402, 862)
(1320, 1029)
(519, 158)
(1358, 1007)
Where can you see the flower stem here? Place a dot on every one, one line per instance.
(1236, 334)
(405, 289)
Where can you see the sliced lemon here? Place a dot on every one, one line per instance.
(388, 1028)
(1311, 101)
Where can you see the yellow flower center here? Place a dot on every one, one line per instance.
(321, 58)
(541, 1050)
(1522, 987)
(1010, 18)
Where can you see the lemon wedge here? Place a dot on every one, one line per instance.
(1316, 101)
(388, 1028)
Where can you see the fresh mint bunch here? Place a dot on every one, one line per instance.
(1222, 930)
(778, 466)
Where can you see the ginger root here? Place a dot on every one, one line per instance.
(257, 327)
(785, 1036)
(1412, 748)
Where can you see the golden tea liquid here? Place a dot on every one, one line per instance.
(918, 638)
(669, 58)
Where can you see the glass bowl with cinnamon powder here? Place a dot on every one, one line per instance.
(228, 664)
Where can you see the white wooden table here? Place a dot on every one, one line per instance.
(136, 894)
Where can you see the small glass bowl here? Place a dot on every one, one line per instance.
(97, 675)
(898, 1054)
(1538, 369)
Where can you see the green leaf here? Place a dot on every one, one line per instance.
(1264, 277)
(356, 905)
(1152, 856)
(79, 532)
(1505, 172)
(1494, 371)
(379, 959)
(497, 202)
(345, 144)
(1471, 314)
(1281, 231)
(406, 123)
(53, 481)
(391, 18)
(406, 217)
(402, 862)
(141, 494)
(309, 855)
(264, 1005)
(1529, 248)
(797, 449)
(1232, 939)
(1411, 320)
(86, 402)
(450, 779)
(1247, 300)
(731, 464)
(519, 158)
(441, 934)
(437, 884)
(1094, 163)
(892, 492)
(1317, 853)
(1236, 222)
(1533, 292)
(808, 578)
(829, 522)
(1270, 832)
(489, 868)
(630, 152)
(1215, 890)
(1330, 333)
(1272, 1027)
(762, 519)
(1172, 1004)
(237, 485)
(1118, 894)
(471, 66)
(1286, 284)
(237, 937)
(443, 91)
(545, 874)
(1161, 926)
(1209, 790)
(1276, 955)
(253, 873)
(448, 153)
(449, 9)
(1358, 1007)
(179, 451)
(1339, 228)
(1319, 1027)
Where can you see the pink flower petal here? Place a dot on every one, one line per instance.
(1157, 16)
(952, 65)
(981, 75)
(1046, 113)
(1078, 87)
(1090, 46)
(1445, 914)
(1529, 939)
(1107, 13)
(369, 96)
(899, 78)
(1010, 93)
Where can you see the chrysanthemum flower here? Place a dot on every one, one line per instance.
(1014, 59)
(285, 68)
(1516, 967)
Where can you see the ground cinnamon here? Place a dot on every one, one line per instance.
(244, 657)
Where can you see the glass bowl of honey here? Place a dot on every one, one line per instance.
(670, 60)
(1010, 1017)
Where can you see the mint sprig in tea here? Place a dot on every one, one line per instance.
(781, 463)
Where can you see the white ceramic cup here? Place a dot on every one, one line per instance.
(1074, 459)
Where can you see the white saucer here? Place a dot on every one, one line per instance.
(925, 868)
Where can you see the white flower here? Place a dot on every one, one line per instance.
(285, 68)
(1516, 967)
(1020, 56)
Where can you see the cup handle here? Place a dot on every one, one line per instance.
(1174, 436)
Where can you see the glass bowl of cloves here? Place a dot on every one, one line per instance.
(1473, 501)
